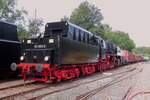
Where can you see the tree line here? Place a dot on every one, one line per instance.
(90, 17)
(143, 51)
(86, 15)
(10, 13)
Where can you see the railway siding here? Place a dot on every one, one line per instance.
(141, 90)
(12, 84)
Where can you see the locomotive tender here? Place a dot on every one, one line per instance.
(10, 50)
(64, 52)
(62, 44)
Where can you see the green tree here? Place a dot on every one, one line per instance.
(105, 27)
(22, 32)
(9, 13)
(142, 51)
(122, 39)
(34, 26)
(98, 31)
(101, 29)
(89, 17)
(86, 16)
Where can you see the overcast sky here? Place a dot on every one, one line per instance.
(131, 16)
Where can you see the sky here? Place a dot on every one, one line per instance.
(131, 16)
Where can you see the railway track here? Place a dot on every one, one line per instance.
(118, 79)
(63, 89)
(60, 88)
(13, 84)
(8, 93)
(32, 91)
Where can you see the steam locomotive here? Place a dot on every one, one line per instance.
(67, 51)
(10, 47)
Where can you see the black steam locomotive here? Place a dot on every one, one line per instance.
(64, 52)
(9, 47)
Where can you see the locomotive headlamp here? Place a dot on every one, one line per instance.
(22, 58)
(28, 41)
(46, 58)
(51, 40)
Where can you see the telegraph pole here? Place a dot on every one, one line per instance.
(35, 14)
